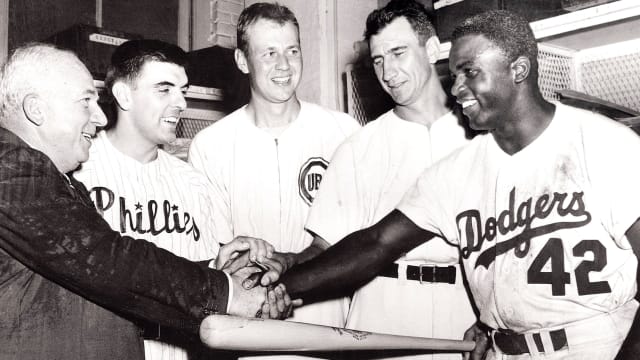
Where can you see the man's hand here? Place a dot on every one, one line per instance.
(278, 305)
(478, 333)
(273, 266)
(256, 250)
(259, 301)
(277, 264)
(246, 302)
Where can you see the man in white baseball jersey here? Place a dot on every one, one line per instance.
(544, 209)
(268, 157)
(140, 189)
(422, 293)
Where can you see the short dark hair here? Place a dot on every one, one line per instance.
(127, 62)
(269, 11)
(129, 58)
(510, 32)
(413, 11)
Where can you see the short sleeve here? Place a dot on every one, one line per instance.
(424, 203)
(337, 208)
(615, 176)
(219, 206)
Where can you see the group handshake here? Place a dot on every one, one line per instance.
(256, 266)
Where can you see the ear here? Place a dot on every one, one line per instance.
(521, 68)
(433, 49)
(241, 61)
(122, 93)
(34, 109)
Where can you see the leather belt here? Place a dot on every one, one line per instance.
(424, 273)
(516, 344)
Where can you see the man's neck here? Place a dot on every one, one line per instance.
(129, 144)
(426, 110)
(523, 125)
(273, 115)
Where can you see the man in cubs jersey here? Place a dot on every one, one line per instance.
(371, 171)
(141, 190)
(547, 242)
(268, 157)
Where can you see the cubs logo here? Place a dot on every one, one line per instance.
(310, 177)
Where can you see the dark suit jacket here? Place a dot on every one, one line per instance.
(69, 284)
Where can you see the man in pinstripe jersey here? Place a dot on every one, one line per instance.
(141, 190)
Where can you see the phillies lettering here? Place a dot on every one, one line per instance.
(473, 233)
(161, 218)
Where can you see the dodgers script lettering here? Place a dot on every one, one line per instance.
(519, 219)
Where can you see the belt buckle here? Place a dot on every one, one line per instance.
(433, 272)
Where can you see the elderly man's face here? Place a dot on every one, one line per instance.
(72, 115)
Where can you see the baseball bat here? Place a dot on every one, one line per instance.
(238, 333)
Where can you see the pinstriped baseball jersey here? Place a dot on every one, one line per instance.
(268, 183)
(542, 231)
(166, 202)
(367, 177)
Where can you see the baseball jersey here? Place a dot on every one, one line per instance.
(368, 176)
(541, 231)
(267, 184)
(165, 201)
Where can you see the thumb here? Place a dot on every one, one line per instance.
(270, 277)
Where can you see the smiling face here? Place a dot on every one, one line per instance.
(401, 62)
(72, 115)
(157, 99)
(273, 60)
(483, 81)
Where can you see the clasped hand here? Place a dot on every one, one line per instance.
(252, 262)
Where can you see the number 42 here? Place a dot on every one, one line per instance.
(554, 251)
